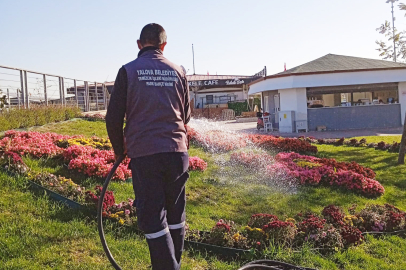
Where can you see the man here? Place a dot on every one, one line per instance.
(153, 94)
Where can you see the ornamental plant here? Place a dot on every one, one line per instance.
(13, 163)
(93, 198)
(256, 237)
(197, 164)
(334, 215)
(94, 117)
(382, 218)
(222, 233)
(98, 143)
(280, 144)
(61, 185)
(311, 224)
(251, 159)
(351, 235)
(34, 144)
(322, 171)
(327, 238)
(280, 232)
(124, 213)
(260, 220)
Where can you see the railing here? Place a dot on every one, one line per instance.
(21, 88)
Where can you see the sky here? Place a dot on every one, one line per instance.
(92, 39)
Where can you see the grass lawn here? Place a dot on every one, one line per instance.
(36, 233)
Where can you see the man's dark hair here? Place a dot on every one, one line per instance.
(153, 34)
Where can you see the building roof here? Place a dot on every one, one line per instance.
(332, 70)
(198, 77)
(334, 62)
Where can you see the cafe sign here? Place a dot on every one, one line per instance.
(235, 81)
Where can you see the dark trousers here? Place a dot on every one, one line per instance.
(159, 186)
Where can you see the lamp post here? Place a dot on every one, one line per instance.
(393, 28)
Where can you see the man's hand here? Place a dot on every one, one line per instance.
(124, 153)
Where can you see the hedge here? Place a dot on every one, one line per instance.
(238, 107)
(36, 116)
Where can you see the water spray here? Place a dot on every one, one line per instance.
(255, 265)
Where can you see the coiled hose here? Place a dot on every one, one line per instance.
(255, 265)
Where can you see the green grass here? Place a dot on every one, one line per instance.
(36, 233)
(377, 139)
(76, 127)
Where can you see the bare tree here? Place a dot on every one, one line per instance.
(394, 37)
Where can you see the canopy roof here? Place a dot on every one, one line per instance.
(333, 62)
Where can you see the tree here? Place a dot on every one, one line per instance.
(386, 49)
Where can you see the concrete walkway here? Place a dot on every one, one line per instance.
(251, 128)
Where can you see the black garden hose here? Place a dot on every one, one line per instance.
(100, 214)
(255, 265)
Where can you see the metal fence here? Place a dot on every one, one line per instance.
(22, 88)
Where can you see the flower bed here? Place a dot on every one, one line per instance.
(280, 144)
(313, 171)
(390, 147)
(316, 171)
(94, 117)
(123, 213)
(34, 144)
(87, 156)
(220, 141)
(332, 230)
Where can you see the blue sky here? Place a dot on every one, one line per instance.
(91, 39)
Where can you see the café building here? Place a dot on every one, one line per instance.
(335, 92)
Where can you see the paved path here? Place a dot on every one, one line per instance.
(251, 127)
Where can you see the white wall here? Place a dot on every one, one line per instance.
(294, 99)
(329, 79)
(402, 99)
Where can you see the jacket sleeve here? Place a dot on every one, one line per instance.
(187, 103)
(116, 112)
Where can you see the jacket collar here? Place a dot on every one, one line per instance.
(149, 48)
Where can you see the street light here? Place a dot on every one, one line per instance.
(393, 28)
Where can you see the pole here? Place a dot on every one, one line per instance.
(402, 149)
(45, 90)
(60, 90)
(22, 88)
(27, 100)
(8, 99)
(63, 90)
(18, 98)
(76, 93)
(96, 94)
(86, 98)
(104, 97)
(393, 31)
(193, 51)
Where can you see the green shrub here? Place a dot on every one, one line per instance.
(36, 116)
(238, 107)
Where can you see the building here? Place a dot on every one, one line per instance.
(336, 92)
(208, 90)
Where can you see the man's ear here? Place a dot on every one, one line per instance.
(162, 46)
(139, 45)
